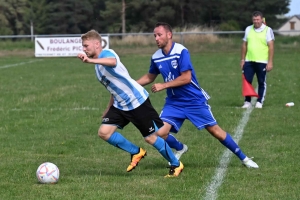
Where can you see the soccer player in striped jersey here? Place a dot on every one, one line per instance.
(185, 98)
(129, 102)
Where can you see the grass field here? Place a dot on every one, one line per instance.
(50, 110)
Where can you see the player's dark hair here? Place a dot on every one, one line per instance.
(257, 13)
(165, 25)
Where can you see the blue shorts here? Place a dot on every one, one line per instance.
(199, 114)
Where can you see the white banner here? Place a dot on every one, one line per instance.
(62, 46)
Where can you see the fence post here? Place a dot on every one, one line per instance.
(31, 30)
(181, 38)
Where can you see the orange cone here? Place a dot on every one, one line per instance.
(248, 89)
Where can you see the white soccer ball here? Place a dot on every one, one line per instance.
(47, 173)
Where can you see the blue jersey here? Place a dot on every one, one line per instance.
(170, 67)
(127, 93)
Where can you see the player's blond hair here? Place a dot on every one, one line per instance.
(91, 35)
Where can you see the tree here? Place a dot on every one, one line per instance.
(95, 18)
(37, 12)
(112, 15)
(70, 17)
(123, 16)
(12, 15)
(4, 23)
(75, 17)
(241, 11)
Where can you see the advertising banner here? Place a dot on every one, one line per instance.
(61, 46)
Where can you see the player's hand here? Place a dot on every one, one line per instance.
(157, 87)
(269, 66)
(242, 64)
(83, 57)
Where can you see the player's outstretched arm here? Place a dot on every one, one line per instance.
(183, 79)
(110, 62)
(82, 57)
(146, 79)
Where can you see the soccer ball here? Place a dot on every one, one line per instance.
(47, 173)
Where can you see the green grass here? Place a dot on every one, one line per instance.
(50, 111)
(13, 44)
(140, 44)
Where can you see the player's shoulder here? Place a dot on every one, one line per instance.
(270, 29)
(178, 48)
(249, 27)
(158, 54)
(107, 53)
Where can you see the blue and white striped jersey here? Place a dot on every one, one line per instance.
(170, 67)
(127, 93)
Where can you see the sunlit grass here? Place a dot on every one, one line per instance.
(50, 111)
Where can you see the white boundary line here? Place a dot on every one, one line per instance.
(220, 173)
(18, 64)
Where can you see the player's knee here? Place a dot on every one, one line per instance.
(101, 134)
(151, 139)
(104, 133)
(163, 133)
(217, 132)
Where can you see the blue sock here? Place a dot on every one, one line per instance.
(232, 146)
(117, 140)
(174, 143)
(164, 149)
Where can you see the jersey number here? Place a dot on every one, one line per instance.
(104, 81)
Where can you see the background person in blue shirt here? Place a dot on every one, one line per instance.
(129, 102)
(185, 98)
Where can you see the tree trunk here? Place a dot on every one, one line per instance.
(182, 14)
(123, 16)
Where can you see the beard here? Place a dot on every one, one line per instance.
(161, 45)
(90, 55)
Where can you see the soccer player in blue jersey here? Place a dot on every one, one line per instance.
(185, 98)
(129, 102)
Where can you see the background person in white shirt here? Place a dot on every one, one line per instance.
(257, 56)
